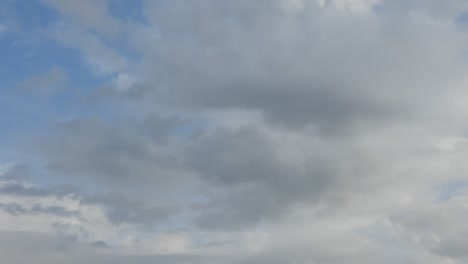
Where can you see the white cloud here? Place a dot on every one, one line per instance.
(124, 81)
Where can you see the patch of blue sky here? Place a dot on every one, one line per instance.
(30, 15)
(451, 189)
(191, 129)
(23, 61)
(379, 234)
(19, 60)
(29, 50)
(9, 157)
(123, 47)
(378, 8)
(462, 21)
(24, 112)
(127, 10)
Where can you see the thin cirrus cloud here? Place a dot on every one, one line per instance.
(237, 132)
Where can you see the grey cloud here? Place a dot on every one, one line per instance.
(456, 248)
(107, 152)
(161, 128)
(438, 228)
(247, 164)
(249, 175)
(18, 171)
(293, 105)
(68, 232)
(137, 259)
(19, 189)
(436, 8)
(100, 244)
(43, 248)
(119, 209)
(13, 208)
(303, 255)
(257, 182)
(351, 104)
(19, 210)
(213, 244)
(13, 246)
(54, 210)
(296, 68)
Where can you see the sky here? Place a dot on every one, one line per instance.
(234, 132)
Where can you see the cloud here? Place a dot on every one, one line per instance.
(17, 209)
(43, 248)
(47, 83)
(251, 132)
(437, 227)
(446, 10)
(117, 153)
(295, 68)
(3, 28)
(71, 201)
(119, 210)
(93, 15)
(102, 59)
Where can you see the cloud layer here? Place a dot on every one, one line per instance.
(238, 132)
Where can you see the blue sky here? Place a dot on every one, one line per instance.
(233, 132)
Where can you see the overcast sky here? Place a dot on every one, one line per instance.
(234, 131)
